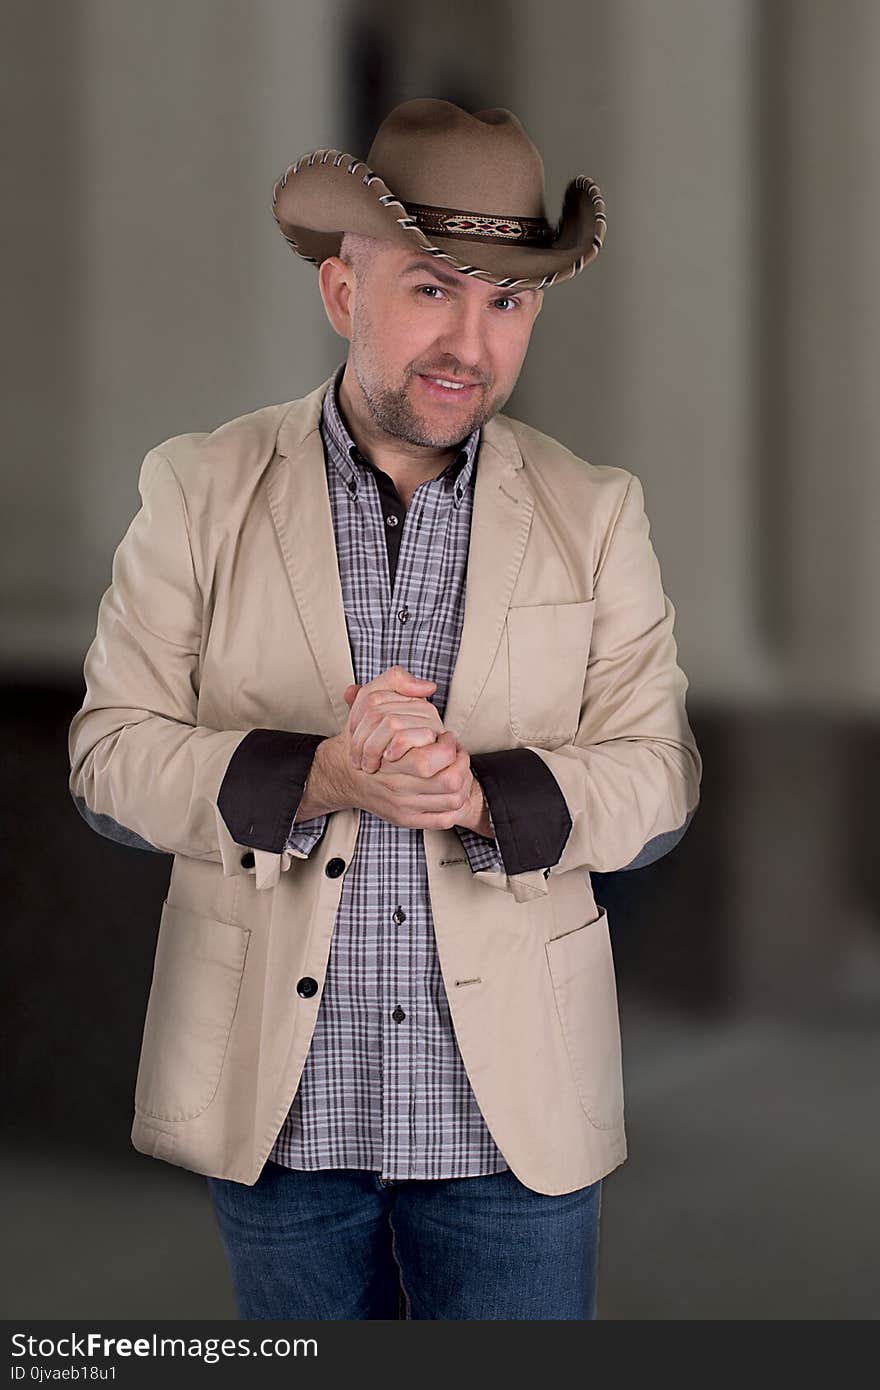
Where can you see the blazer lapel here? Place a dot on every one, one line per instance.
(300, 506)
(500, 522)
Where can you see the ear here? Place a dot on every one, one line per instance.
(335, 282)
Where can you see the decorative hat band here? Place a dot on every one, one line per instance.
(478, 226)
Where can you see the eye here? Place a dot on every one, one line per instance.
(502, 299)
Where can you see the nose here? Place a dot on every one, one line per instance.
(464, 342)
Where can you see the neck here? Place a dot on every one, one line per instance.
(407, 464)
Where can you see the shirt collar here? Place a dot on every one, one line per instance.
(351, 463)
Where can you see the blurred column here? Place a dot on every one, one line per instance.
(188, 306)
(43, 255)
(824, 203)
(803, 933)
(400, 49)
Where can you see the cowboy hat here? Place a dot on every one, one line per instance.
(467, 189)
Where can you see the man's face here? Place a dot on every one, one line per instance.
(414, 319)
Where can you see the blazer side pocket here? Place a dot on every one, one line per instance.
(197, 976)
(548, 646)
(582, 970)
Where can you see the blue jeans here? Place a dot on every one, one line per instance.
(345, 1243)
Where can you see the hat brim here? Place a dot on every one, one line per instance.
(328, 192)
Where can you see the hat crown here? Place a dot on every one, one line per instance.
(433, 152)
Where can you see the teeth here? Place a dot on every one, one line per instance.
(450, 385)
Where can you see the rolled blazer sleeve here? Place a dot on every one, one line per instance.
(263, 786)
(528, 811)
(631, 777)
(143, 771)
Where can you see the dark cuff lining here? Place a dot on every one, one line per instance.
(528, 810)
(263, 786)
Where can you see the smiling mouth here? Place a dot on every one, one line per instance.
(448, 387)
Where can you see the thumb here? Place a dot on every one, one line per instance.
(350, 693)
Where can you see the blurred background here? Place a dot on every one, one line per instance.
(723, 347)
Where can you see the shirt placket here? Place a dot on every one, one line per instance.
(402, 959)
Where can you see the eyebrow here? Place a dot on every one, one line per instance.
(453, 278)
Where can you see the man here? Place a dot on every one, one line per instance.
(365, 656)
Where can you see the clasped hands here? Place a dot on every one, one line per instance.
(395, 759)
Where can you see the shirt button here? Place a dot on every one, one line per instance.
(398, 1015)
(391, 520)
(398, 916)
(403, 614)
(334, 867)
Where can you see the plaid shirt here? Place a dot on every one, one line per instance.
(384, 1086)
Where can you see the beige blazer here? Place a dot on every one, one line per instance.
(225, 614)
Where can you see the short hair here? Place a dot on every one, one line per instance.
(358, 252)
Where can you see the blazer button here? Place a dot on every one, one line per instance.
(306, 986)
(334, 868)
(247, 859)
(546, 873)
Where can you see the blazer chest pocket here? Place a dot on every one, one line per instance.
(582, 970)
(197, 977)
(548, 646)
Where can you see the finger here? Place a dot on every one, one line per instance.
(383, 720)
(426, 761)
(380, 699)
(389, 728)
(405, 740)
(414, 706)
(449, 781)
(398, 678)
(432, 805)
